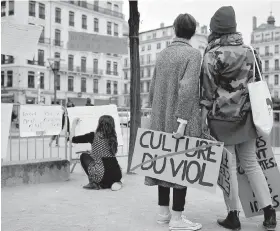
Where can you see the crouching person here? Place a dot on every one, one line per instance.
(101, 165)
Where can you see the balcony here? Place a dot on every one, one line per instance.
(265, 40)
(97, 73)
(58, 20)
(42, 16)
(36, 62)
(71, 23)
(32, 13)
(112, 73)
(44, 40)
(266, 55)
(271, 70)
(9, 60)
(58, 43)
(96, 8)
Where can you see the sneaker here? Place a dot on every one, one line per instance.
(269, 218)
(184, 224)
(231, 222)
(116, 186)
(163, 218)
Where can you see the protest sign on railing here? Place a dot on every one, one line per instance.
(6, 114)
(270, 169)
(37, 120)
(89, 117)
(188, 161)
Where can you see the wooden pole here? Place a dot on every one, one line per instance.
(135, 107)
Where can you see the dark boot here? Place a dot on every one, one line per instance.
(93, 186)
(231, 222)
(269, 218)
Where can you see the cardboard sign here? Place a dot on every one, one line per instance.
(224, 180)
(89, 117)
(6, 114)
(270, 169)
(28, 35)
(37, 120)
(198, 169)
(79, 41)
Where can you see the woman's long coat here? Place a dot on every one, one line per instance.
(174, 93)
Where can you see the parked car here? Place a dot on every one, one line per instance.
(125, 118)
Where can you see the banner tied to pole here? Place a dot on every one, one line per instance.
(190, 161)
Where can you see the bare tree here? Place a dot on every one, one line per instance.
(135, 107)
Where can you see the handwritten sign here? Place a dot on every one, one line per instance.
(79, 41)
(270, 169)
(6, 114)
(224, 179)
(198, 169)
(37, 120)
(89, 117)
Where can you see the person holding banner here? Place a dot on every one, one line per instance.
(101, 165)
(227, 69)
(174, 98)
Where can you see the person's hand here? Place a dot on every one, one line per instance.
(180, 131)
(204, 126)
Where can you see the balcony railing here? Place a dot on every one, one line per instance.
(58, 43)
(71, 23)
(8, 61)
(36, 62)
(112, 73)
(32, 13)
(265, 40)
(58, 20)
(45, 40)
(96, 8)
(267, 54)
(98, 72)
(42, 16)
(78, 69)
(271, 70)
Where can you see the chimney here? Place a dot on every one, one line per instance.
(162, 25)
(254, 22)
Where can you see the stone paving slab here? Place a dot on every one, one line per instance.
(67, 206)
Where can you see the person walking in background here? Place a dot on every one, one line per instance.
(89, 102)
(226, 72)
(174, 99)
(101, 165)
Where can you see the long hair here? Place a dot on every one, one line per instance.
(106, 129)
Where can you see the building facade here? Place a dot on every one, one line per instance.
(79, 75)
(151, 44)
(265, 39)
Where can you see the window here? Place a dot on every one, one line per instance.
(109, 28)
(70, 62)
(276, 49)
(116, 8)
(41, 59)
(95, 66)
(96, 5)
(32, 8)
(42, 14)
(83, 64)
(11, 7)
(266, 78)
(42, 36)
(71, 18)
(142, 87)
(126, 62)
(57, 63)
(125, 89)
(2, 78)
(148, 58)
(143, 48)
(276, 80)
(83, 85)
(108, 67)
(125, 75)
(109, 5)
(167, 43)
(115, 68)
(116, 29)
(57, 37)
(42, 80)
(142, 73)
(158, 46)
(149, 47)
(70, 83)
(84, 21)
(267, 50)
(154, 35)
(2, 59)
(31, 79)
(3, 8)
(9, 78)
(258, 50)
(115, 87)
(58, 82)
(276, 95)
(84, 4)
(57, 15)
(276, 64)
(96, 25)
(108, 87)
(266, 67)
(148, 72)
(148, 86)
(142, 60)
(163, 33)
(95, 86)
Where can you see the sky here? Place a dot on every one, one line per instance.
(154, 12)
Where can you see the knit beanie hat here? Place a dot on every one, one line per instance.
(223, 21)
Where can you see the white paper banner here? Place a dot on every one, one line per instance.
(89, 117)
(6, 114)
(37, 120)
